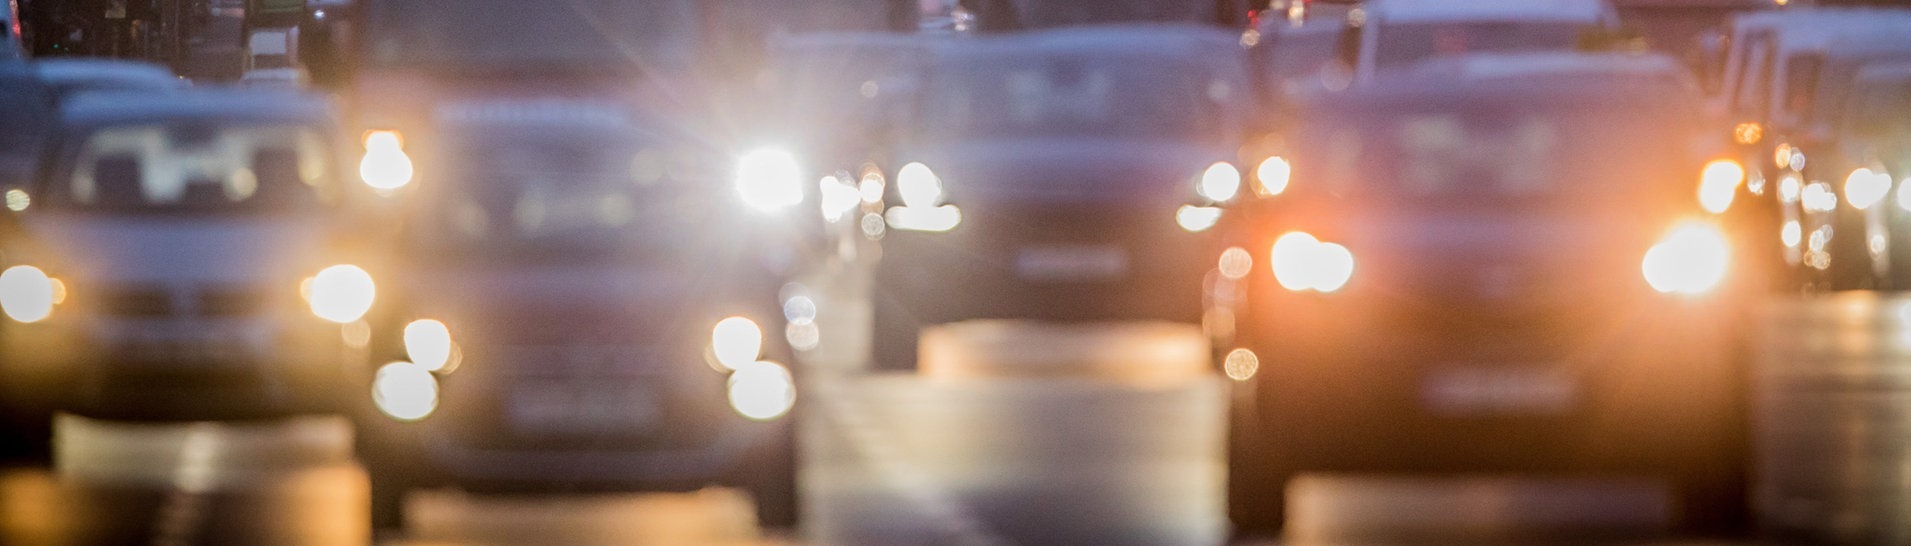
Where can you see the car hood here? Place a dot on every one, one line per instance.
(1073, 170)
(157, 249)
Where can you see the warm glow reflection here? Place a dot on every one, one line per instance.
(1718, 184)
(912, 218)
(762, 391)
(1220, 182)
(385, 165)
(405, 391)
(1302, 262)
(736, 342)
(1236, 263)
(1197, 219)
(1241, 364)
(1692, 259)
(428, 343)
(342, 293)
(26, 293)
(1864, 188)
(1273, 174)
(918, 186)
(1748, 133)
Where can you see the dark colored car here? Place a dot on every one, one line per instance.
(1069, 175)
(1492, 267)
(155, 267)
(587, 273)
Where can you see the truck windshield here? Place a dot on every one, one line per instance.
(1078, 98)
(1408, 43)
(610, 34)
(198, 167)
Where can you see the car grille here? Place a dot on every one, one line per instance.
(152, 301)
(137, 301)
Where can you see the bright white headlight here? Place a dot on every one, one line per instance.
(769, 180)
(918, 186)
(405, 391)
(1273, 174)
(428, 343)
(1692, 259)
(342, 293)
(1718, 184)
(385, 166)
(736, 342)
(27, 294)
(1220, 182)
(1865, 187)
(1302, 262)
(762, 391)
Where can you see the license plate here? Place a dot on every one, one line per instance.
(1500, 390)
(1071, 263)
(563, 409)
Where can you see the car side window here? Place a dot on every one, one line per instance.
(159, 166)
(1751, 93)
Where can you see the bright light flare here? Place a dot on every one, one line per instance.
(762, 391)
(1718, 184)
(1302, 262)
(1865, 187)
(1273, 174)
(385, 166)
(838, 198)
(1904, 194)
(405, 391)
(769, 180)
(736, 342)
(1220, 182)
(1236, 263)
(27, 294)
(934, 220)
(428, 343)
(1691, 260)
(918, 186)
(342, 293)
(1818, 197)
(1196, 219)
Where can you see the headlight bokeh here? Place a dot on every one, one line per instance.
(342, 293)
(385, 166)
(1691, 260)
(1302, 263)
(769, 180)
(27, 294)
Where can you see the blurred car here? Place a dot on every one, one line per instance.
(156, 267)
(70, 76)
(1067, 175)
(1388, 34)
(1876, 122)
(26, 110)
(1770, 139)
(589, 265)
(1292, 49)
(1849, 246)
(1490, 265)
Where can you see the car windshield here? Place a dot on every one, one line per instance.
(1409, 43)
(569, 33)
(1296, 59)
(199, 167)
(1069, 97)
(1474, 150)
(538, 194)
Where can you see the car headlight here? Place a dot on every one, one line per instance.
(341, 293)
(1865, 187)
(1272, 175)
(1692, 259)
(428, 344)
(1718, 184)
(1302, 262)
(762, 390)
(769, 180)
(736, 342)
(1196, 219)
(1220, 182)
(27, 294)
(918, 186)
(1817, 197)
(405, 391)
(385, 166)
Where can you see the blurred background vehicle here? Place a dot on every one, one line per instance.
(1065, 175)
(182, 226)
(1452, 285)
(67, 76)
(1849, 246)
(1389, 34)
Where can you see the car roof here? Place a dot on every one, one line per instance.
(1516, 66)
(1804, 28)
(1499, 76)
(1412, 11)
(118, 107)
(66, 71)
(1167, 40)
